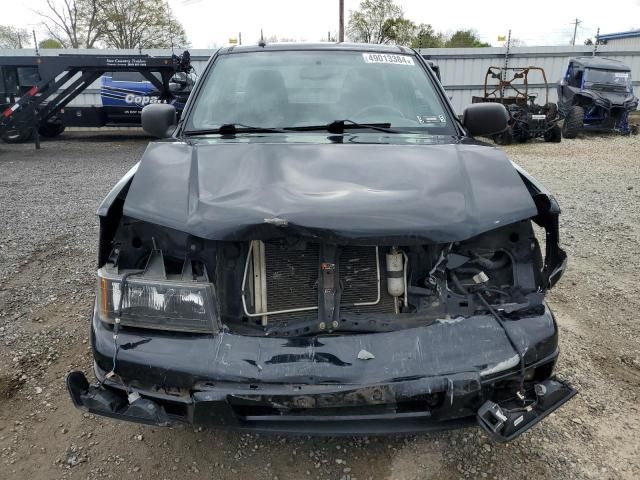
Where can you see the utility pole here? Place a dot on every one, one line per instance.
(35, 42)
(506, 65)
(576, 22)
(239, 38)
(341, 22)
(595, 44)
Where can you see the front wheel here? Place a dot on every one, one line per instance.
(504, 138)
(554, 134)
(50, 130)
(573, 122)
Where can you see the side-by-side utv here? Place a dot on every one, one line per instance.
(596, 93)
(527, 119)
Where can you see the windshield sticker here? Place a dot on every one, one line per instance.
(622, 75)
(432, 119)
(386, 58)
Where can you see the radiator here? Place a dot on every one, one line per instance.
(281, 281)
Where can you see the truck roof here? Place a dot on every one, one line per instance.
(602, 63)
(363, 47)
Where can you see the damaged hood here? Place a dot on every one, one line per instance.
(240, 191)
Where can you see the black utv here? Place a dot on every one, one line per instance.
(596, 93)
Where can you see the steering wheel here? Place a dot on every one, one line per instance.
(380, 108)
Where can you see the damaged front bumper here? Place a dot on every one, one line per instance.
(442, 376)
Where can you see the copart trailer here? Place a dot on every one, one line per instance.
(34, 90)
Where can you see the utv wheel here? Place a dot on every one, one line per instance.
(17, 136)
(554, 134)
(504, 138)
(51, 130)
(634, 129)
(573, 122)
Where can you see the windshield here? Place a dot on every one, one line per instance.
(296, 89)
(609, 77)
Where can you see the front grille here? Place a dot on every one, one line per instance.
(291, 280)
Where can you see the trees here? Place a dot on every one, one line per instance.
(426, 37)
(465, 38)
(73, 23)
(114, 23)
(50, 43)
(382, 21)
(140, 23)
(13, 37)
(378, 21)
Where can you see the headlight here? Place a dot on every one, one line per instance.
(159, 304)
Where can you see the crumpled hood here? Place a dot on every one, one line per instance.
(241, 191)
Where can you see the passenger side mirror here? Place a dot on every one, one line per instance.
(159, 119)
(484, 119)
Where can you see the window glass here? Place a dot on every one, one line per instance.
(289, 89)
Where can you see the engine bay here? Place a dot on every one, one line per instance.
(293, 285)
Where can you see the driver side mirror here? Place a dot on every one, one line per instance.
(484, 119)
(159, 119)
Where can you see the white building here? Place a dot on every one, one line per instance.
(630, 39)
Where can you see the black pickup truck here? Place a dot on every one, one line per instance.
(320, 246)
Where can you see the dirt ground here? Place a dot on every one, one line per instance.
(48, 235)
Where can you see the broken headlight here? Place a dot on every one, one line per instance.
(158, 304)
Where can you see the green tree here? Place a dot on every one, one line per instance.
(13, 37)
(400, 30)
(465, 38)
(50, 43)
(426, 37)
(73, 23)
(379, 21)
(140, 24)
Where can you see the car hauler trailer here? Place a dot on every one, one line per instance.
(35, 91)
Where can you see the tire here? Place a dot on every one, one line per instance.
(18, 136)
(50, 130)
(553, 135)
(573, 122)
(504, 138)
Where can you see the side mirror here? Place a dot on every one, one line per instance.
(159, 119)
(484, 118)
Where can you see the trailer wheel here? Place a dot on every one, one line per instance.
(50, 130)
(17, 136)
(554, 134)
(573, 122)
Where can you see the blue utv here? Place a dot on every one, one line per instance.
(596, 93)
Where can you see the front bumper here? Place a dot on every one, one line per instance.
(420, 379)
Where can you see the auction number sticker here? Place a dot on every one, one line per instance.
(387, 58)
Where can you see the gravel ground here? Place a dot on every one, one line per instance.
(47, 258)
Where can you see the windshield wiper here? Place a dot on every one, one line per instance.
(232, 129)
(339, 126)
